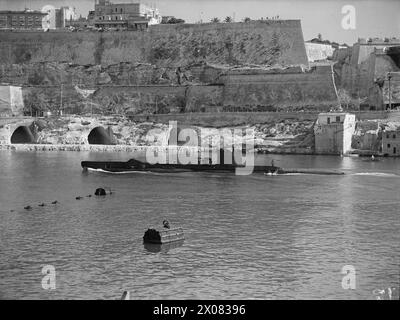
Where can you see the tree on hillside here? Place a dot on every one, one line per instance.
(215, 20)
(344, 98)
(247, 19)
(228, 19)
(319, 37)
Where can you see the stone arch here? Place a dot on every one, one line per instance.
(99, 135)
(22, 135)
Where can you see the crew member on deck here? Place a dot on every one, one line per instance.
(166, 224)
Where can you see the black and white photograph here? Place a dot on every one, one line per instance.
(203, 152)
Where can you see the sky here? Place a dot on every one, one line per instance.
(374, 18)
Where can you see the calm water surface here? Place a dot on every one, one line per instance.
(257, 237)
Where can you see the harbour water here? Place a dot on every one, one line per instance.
(247, 237)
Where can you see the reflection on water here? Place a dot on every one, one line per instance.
(164, 248)
(254, 237)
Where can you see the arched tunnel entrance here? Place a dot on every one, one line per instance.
(99, 135)
(22, 135)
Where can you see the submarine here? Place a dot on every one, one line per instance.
(135, 165)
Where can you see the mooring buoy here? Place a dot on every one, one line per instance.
(28, 208)
(103, 191)
(100, 192)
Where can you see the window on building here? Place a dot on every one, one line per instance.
(328, 120)
(394, 136)
(387, 135)
(394, 150)
(337, 118)
(121, 10)
(388, 145)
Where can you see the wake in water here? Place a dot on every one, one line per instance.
(370, 174)
(120, 172)
(376, 174)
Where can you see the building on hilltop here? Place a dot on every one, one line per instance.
(22, 20)
(391, 142)
(333, 133)
(134, 16)
(318, 51)
(58, 18)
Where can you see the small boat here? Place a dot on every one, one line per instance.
(271, 173)
(163, 236)
(372, 159)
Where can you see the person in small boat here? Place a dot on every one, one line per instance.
(166, 224)
(272, 170)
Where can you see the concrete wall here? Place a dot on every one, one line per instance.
(280, 89)
(258, 42)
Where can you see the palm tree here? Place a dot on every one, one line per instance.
(228, 19)
(215, 20)
(247, 19)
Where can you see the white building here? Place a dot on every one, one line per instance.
(333, 133)
(57, 17)
(318, 51)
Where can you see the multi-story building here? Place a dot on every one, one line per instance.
(125, 15)
(391, 142)
(333, 133)
(27, 19)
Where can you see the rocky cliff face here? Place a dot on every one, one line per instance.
(271, 136)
